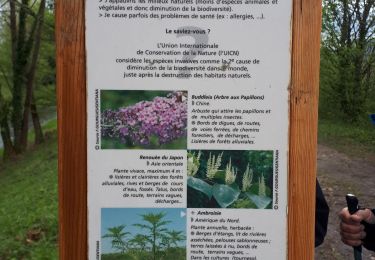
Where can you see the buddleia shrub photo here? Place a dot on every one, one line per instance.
(143, 119)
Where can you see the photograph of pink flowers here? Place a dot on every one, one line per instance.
(140, 119)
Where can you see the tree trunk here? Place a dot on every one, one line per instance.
(9, 151)
(19, 69)
(13, 28)
(39, 137)
(30, 78)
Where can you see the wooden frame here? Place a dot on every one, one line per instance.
(71, 95)
(303, 128)
(71, 116)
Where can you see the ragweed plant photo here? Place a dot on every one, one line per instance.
(155, 234)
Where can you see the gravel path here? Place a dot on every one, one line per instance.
(340, 174)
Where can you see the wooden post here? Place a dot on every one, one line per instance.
(303, 128)
(71, 97)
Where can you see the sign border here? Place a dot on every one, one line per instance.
(72, 136)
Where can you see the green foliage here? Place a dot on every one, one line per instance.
(213, 165)
(159, 242)
(118, 236)
(5, 73)
(353, 139)
(262, 186)
(5, 100)
(230, 173)
(221, 188)
(49, 128)
(45, 80)
(18, 44)
(329, 105)
(28, 205)
(260, 201)
(139, 241)
(347, 60)
(200, 185)
(225, 195)
(172, 237)
(247, 178)
(45, 96)
(193, 163)
(168, 254)
(155, 227)
(116, 256)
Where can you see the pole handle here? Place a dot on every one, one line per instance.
(352, 202)
(353, 207)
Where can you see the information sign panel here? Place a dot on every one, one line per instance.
(187, 127)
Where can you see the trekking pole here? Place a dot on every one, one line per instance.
(352, 202)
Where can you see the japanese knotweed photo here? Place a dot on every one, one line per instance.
(229, 179)
(143, 233)
(132, 119)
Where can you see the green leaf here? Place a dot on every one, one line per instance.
(5, 99)
(244, 203)
(261, 201)
(226, 194)
(6, 94)
(200, 185)
(220, 176)
(254, 189)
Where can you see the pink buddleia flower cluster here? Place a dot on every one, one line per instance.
(163, 117)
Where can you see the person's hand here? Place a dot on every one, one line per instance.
(351, 230)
